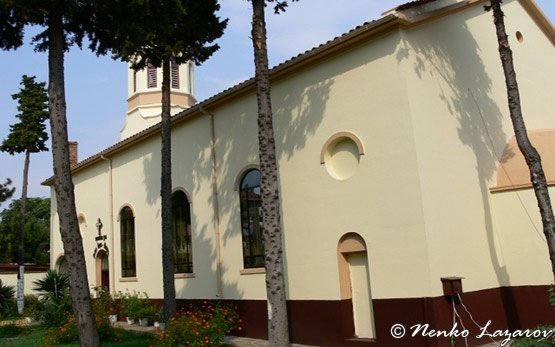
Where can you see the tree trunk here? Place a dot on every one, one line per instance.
(530, 154)
(165, 194)
(278, 329)
(21, 243)
(65, 198)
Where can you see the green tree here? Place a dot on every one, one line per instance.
(5, 191)
(159, 33)
(531, 155)
(278, 328)
(62, 21)
(37, 231)
(28, 136)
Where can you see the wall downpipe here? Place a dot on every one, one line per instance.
(111, 214)
(220, 292)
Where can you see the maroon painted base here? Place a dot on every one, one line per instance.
(330, 323)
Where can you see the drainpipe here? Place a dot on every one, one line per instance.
(220, 292)
(111, 213)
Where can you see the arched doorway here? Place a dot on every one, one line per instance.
(354, 277)
(61, 265)
(102, 270)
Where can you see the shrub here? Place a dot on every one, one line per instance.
(6, 297)
(66, 331)
(12, 330)
(9, 310)
(205, 326)
(53, 286)
(104, 304)
(134, 305)
(54, 312)
(53, 290)
(33, 306)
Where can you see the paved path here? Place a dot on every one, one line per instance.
(234, 341)
(246, 342)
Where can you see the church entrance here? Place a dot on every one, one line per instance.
(102, 270)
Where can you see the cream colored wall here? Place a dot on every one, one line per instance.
(419, 198)
(91, 200)
(236, 148)
(144, 117)
(29, 278)
(361, 91)
(192, 173)
(455, 78)
(136, 182)
(520, 242)
(351, 92)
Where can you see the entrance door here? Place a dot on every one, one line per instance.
(360, 288)
(104, 270)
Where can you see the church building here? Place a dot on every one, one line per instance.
(404, 197)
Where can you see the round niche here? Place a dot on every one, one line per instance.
(341, 155)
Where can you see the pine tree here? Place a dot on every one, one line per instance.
(278, 328)
(28, 136)
(159, 33)
(531, 155)
(62, 21)
(5, 191)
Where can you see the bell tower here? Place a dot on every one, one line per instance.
(144, 96)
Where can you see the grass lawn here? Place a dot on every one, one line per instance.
(36, 336)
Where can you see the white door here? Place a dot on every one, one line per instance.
(360, 290)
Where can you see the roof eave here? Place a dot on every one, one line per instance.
(360, 34)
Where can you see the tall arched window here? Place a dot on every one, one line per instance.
(251, 219)
(127, 231)
(181, 227)
(61, 265)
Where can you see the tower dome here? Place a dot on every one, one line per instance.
(144, 96)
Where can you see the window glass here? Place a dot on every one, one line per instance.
(127, 231)
(181, 228)
(251, 220)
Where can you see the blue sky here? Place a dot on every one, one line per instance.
(96, 87)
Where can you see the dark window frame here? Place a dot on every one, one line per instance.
(127, 240)
(252, 226)
(182, 233)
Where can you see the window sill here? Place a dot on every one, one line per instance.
(128, 279)
(184, 275)
(253, 271)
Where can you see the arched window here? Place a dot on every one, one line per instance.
(61, 265)
(181, 227)
(127, 231)
(251, 219)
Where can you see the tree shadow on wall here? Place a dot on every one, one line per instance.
(452, 58)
